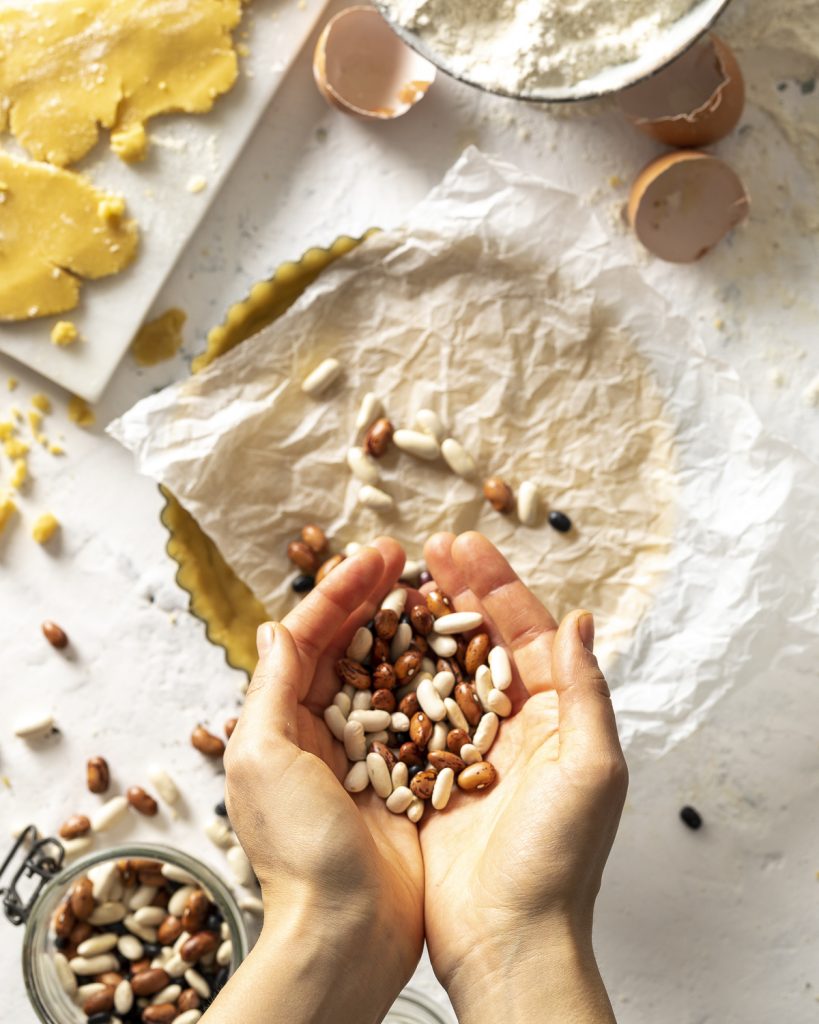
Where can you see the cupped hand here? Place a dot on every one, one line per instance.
(347, 872)
(512, 873)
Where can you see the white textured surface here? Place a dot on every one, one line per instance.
(716, 927)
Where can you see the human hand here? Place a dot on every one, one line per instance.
(341, 878)
(512, 875)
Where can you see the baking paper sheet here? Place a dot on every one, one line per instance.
(498, 303)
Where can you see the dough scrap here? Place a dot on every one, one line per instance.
(55, 229)
(159, 339)
(69, 68)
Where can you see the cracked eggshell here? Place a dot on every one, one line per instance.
(363, 68)
(683, 203)
(696, 100)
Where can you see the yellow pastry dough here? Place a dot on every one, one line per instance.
(52, 234)
(64, 333)
(45, 527)
(159, 339)
(69, 67)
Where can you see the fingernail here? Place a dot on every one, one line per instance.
(265, 637)
(585, 630)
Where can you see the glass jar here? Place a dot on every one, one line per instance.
(45, 993)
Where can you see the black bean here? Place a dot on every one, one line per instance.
(214, 920)
(61, 941)
(118, 928)
(691, 817)
(303, 584)
(399, 738)
(560, 522)
(99, 1018)
(220, 979)
(404, 618)
(151, 949)
(424, 577)
(371, 625)
(413, 771)
(220, 809)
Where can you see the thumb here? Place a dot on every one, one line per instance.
(271, 701)
(588, 730)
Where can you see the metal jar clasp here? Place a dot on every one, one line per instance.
(43, 861)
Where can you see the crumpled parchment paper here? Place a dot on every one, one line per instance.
(498, 304)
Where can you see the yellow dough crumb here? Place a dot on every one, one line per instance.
(7, 430)
(111, 209)
(45, 527)
(56, 449)
(197, 183)
(7, 510)
(12, 383)
(19, 473)
(130, 144)
(53, 237)
(159, 339)
(41, 402)
(15, 412)
(15, 449)
(35, 419)
(80, 412)
(64, 333)
(69, 67)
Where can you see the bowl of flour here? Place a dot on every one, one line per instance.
(551, 50)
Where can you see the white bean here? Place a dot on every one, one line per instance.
(142, 931)
(130, 947)
(374, 497)
(188, 1017)
(93, 964)
(363, 467)
(176, 904)
(501, 668)
(399, 776)
(470, 754)
(199, 985)
(182, 938)
(413, 567)
(439, 734)
(379, 775)
(444, 683)
(224, 954)
(357, 778)
(343, 703)
(430, 700)
(428, 666)
(486, 731)
(457, 622)
(123, 996)
(444, 646)
(353, 547)
(455, 715)
(107, 913)
(373, 721)
(35, 726)
(458, 458)
(442, 789)
(151, 915)
(400, 799)
(335, 721)
(415, 811)
(169, 994)
(74, 847)
(66, 977)
(500, 703)
(399, 722)
(362, 700)
(89, 989)
(240, 865)
(102, 943)
(178, 874)
(395, 601)
(428, 421)
(360, 645)
(401, 641)
(142, 896)
(349, 690)
(219, 832)
(527, 502)
(322, 377)
(382, 736)
(483, 685)
(355, 745)
(109, 814)
(102, 878)
(370, 409)
(176, 966)
(224, 927)
(164, 785)
(251, 905)
(422, 446)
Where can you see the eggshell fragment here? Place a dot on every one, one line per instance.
(682, 204)
(363, 68)
(694, 101)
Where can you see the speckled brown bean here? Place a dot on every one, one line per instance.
(152, 878)
(111, 978)
(411, 754)
(188, 1000)
(447, 665)
(206, 743)
(195, 912)
(327, 567)
(385, 623)
(499, 494)
(313, 536)
(438, 603)
(81, 931)
(420, 729)
(142, 801)
(169, 930)
(199, 945)
(138, 966)
(480, 775)
(423, 784)
(64, 920)
(380, 652)
(469, 703)
(383, 700)
(99, 1002)
(421, 619)
(349, 671)
(376, 747)
(76, 825)
(151, 981)
(440, 759)
(82, 898)
(460, 653)
(384, 677)
(419, 643)
(55, 634)
(230, 725)
(407, 665)
(302, 556)
(160, 1013)
(455, 739)
(378, 437)
(408, 705)
(477, 652)
(161, 899)
(97, 775)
